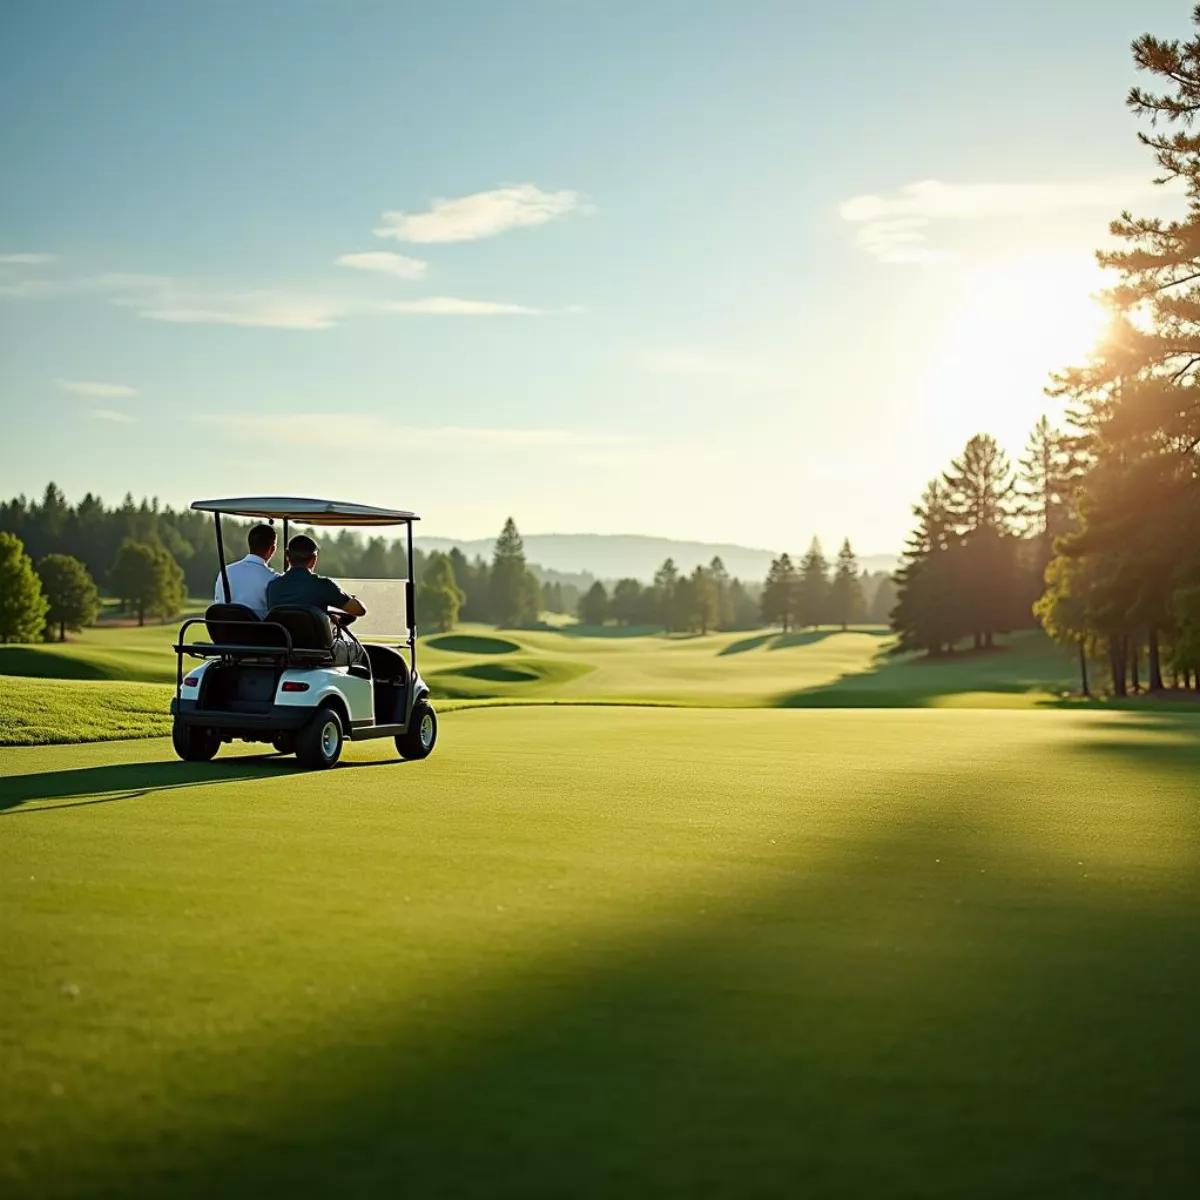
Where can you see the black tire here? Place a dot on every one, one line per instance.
(319, 743)
(284, 743)
(421, 737)
(193, 743)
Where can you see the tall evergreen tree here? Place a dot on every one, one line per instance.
(509, 590)
(723, 618)
(812, 599)
(666, 580)
(847, 605)
(980, 491)
(780, 593)
(594, 606)
(928, 614)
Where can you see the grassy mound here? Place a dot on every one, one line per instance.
(520, 677)
(915, 952)
(465, 643)
(45, 711)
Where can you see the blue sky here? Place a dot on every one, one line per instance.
(740, 272)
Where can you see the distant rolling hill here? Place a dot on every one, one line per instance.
(613, 556)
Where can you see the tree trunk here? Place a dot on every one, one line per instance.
(62, 631)
(1156, 679)
(141, 614)
(1135, 653)
(1116, 665)
(978, 640)
(1083, 672)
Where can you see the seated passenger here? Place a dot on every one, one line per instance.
(301, 585)
(249, 576)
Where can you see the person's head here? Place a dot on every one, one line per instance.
(262, 541)
(302, 552)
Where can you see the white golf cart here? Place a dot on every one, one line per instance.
(275, 680)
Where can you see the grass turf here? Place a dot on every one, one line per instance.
(715, 953)
(35, 712)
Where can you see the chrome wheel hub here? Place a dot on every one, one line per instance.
(426, 731)
(329, 739)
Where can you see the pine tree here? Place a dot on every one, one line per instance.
(980, 491)
(666, 580)
(508, 586)
(847, 605)
(22, 603)
(928, 614)
(702, 606)
(779, 593)
(812, 600)
(70, 592)
(723, 618)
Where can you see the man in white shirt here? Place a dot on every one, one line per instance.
(249, 576)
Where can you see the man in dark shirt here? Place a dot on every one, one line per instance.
(300, 584)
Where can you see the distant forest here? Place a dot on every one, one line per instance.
(504, 589)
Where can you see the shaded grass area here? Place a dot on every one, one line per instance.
(48, 711)
(534, 676)
(889, 953)
(1023, 671)
(462, 643)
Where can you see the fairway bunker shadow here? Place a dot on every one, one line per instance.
(131, 781)
(918, 1013)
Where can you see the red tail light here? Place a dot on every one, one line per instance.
(294, 685)
(191, 681)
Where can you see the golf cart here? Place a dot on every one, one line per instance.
(275, 680)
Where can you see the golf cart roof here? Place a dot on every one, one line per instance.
(306, 510)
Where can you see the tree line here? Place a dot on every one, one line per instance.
(1102, 524)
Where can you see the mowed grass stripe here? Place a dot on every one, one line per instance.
(598, 952)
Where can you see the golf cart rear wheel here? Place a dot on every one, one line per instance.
(193, 743)
(319, 743)
(421, 736)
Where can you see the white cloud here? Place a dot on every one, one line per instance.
(23, 287)
(385, 263)
(453, 306)
(26, 260)
(335, 428)
(109, 414)
(251, 310)
(484, 214)
(91, 387)
(895, 228)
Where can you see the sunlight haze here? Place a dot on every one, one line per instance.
(728, 272)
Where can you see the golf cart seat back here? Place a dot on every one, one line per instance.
(237, 625)
(310, 628)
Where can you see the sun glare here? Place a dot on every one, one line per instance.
(1014, 324)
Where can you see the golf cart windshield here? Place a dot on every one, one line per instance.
(384, 600)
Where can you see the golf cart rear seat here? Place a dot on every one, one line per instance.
(237, 625)
(310, 629)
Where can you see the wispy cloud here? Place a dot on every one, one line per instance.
(110, 414)
(250, 310)
(482, 215)
(26, 260)
(454, 306)
(384, 262)
(15, 285)
(895, 228)
(317, 430)
(93, 387)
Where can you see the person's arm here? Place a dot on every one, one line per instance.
(352, 606)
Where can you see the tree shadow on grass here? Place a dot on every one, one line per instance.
(924, 1012)
(1029, 665)
(32, 663)
(130, 781)
(744, 644)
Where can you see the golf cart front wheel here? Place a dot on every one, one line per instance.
(421, 736)
(193, 743)
(319, 743)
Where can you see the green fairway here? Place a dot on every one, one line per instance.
(611, 952)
